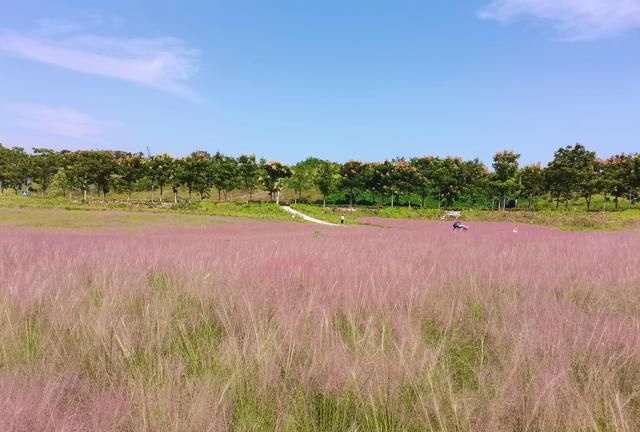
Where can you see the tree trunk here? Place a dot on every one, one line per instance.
(557, 201)
(391, 200)
(324, 202)
(278, 197)
(161, 193)
(84, 197)
(129, 198)
(153, 188)
(175, 197)
(219, 195)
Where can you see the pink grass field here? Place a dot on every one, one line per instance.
(258, 326)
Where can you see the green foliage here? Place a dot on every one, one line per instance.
(303, 175)
(196, 345)
(196, 173)
(272, 176)
(353, 177)
(327, 178)
(531, 179)
(505, 169)
(431, 182)
(461, 352)
(249, 173)
(161, 170)
(131, 169)
(224, 174)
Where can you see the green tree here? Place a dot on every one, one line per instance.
(249, 173)
(505, 167)
(176, 175)
(100, 166)
(446, 180)
(622, 178)
(379, 179)
(131, 168)
(67, 177)
(45, 163)
(353, 177)
(302, 175)
(473, 179)
(403, 177)
(272, 176)
(196, 173)
(588, 179)
(16, 168)
(424, 181)
(5, 158)
(79, 168)
(572, 170)
(531, 180)
(224, 174)
(327, 179)
(160, 168)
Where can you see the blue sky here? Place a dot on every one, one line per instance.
(288, 79)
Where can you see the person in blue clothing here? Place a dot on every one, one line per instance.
(458, 226)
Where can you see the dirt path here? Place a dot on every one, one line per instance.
(305, 217)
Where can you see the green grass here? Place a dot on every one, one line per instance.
(329, 214)
(40, 212)
(572, 219)
(58, 212)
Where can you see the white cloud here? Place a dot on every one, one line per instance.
(574, 19)
(165, 63)
(60, 121)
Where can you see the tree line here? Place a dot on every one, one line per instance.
(574, 172)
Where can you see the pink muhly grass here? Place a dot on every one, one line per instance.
(267, 326)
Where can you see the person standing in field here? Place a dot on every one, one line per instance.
(342, 220)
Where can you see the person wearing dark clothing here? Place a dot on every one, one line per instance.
(458, 226)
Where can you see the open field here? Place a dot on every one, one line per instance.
(572, 220)
(263, 326)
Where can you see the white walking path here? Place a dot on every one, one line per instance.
(305, 217)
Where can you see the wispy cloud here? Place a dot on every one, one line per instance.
(164, 63)
(55, 120)
(574, 19)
